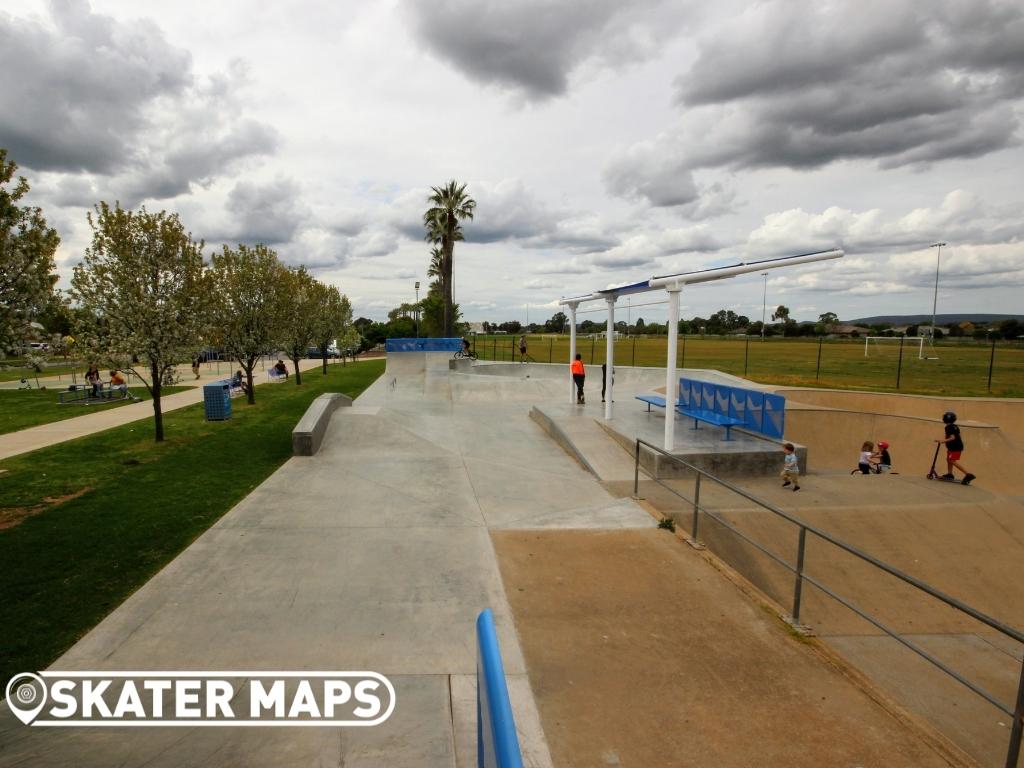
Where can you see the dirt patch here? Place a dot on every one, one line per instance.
(641, 654)
(12, 516)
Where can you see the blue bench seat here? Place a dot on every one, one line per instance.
(699, 414)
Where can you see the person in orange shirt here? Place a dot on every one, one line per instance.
(579, 375)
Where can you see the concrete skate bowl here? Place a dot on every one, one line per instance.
(968, 550)
(966, 542)
(833, 424)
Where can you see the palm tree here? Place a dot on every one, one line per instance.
(449, 205)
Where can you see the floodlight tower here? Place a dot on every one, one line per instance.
(764, 303)
(417, 309)
(935, 300)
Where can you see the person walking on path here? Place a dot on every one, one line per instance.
(790, 468)
(579, 375)
(522, 349)
(954, 448)
(195, 367)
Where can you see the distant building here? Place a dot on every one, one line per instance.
(845, 330)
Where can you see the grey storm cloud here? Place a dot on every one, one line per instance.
(96, 96)
(264, 213)
(803, 84)
(534, 46)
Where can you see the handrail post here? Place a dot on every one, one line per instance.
(636, 472)
(696, 508)
(1013, 752)
(799, 585)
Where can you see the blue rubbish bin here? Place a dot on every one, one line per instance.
(217, 399)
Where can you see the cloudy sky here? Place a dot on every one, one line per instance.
(604, 142)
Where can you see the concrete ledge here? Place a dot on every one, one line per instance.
(546, 423)
(460, 364)
(309, 432)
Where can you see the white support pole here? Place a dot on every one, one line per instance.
(671, 383)
(572, 350)
(609, 358)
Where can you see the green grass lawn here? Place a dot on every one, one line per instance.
(13, 370)
(23, 408)
(961, 368)
(85, 523)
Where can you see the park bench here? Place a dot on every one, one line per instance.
(274, 377)
(721, 420)
(656, 400)
(697, 414)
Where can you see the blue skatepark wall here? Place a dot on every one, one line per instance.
(760, 412)
(423, 345)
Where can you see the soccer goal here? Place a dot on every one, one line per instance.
(909, 340)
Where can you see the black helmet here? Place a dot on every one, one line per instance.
(949, 417)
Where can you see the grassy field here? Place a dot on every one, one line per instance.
(14, 370)
(961, 368)
(23, 408)
(85, 523)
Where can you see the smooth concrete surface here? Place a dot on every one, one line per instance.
(374, 554)
(309, 432)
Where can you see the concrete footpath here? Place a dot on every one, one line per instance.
(104, 417)
(374, 554)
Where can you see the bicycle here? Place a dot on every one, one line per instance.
(464, 355)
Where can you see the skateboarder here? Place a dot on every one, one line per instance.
(954, 447)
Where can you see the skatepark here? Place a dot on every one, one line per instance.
(453, 486)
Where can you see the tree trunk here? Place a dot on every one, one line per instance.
(250, 396)
(298, 373)
(323, 351)
(158, 416)
(449, 251)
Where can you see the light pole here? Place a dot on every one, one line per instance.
(417, 309)
(764, 303)
(935, 301)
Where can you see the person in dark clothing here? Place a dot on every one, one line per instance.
(954, 448)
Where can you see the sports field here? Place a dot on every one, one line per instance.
(960, 368)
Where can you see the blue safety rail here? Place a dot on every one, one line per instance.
(497, 745)
(759, 411)
(423, 345)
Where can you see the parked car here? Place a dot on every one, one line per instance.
(314, 353)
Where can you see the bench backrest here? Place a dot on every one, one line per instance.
(759, 411)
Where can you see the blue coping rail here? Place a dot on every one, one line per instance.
(496, 740)
(423, 345)
(758, 411)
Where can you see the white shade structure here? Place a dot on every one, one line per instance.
(673, 285)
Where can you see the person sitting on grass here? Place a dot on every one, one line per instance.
(280, 369)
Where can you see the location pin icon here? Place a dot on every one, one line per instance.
(26, 695)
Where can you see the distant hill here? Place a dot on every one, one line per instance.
(956, 317)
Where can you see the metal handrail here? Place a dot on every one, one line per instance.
(1017, 712)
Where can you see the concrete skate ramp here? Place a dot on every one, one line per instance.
(965, 541)
(833, 439)
(1006, 413)
(406, 363)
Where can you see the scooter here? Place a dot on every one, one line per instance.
(933, 474)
